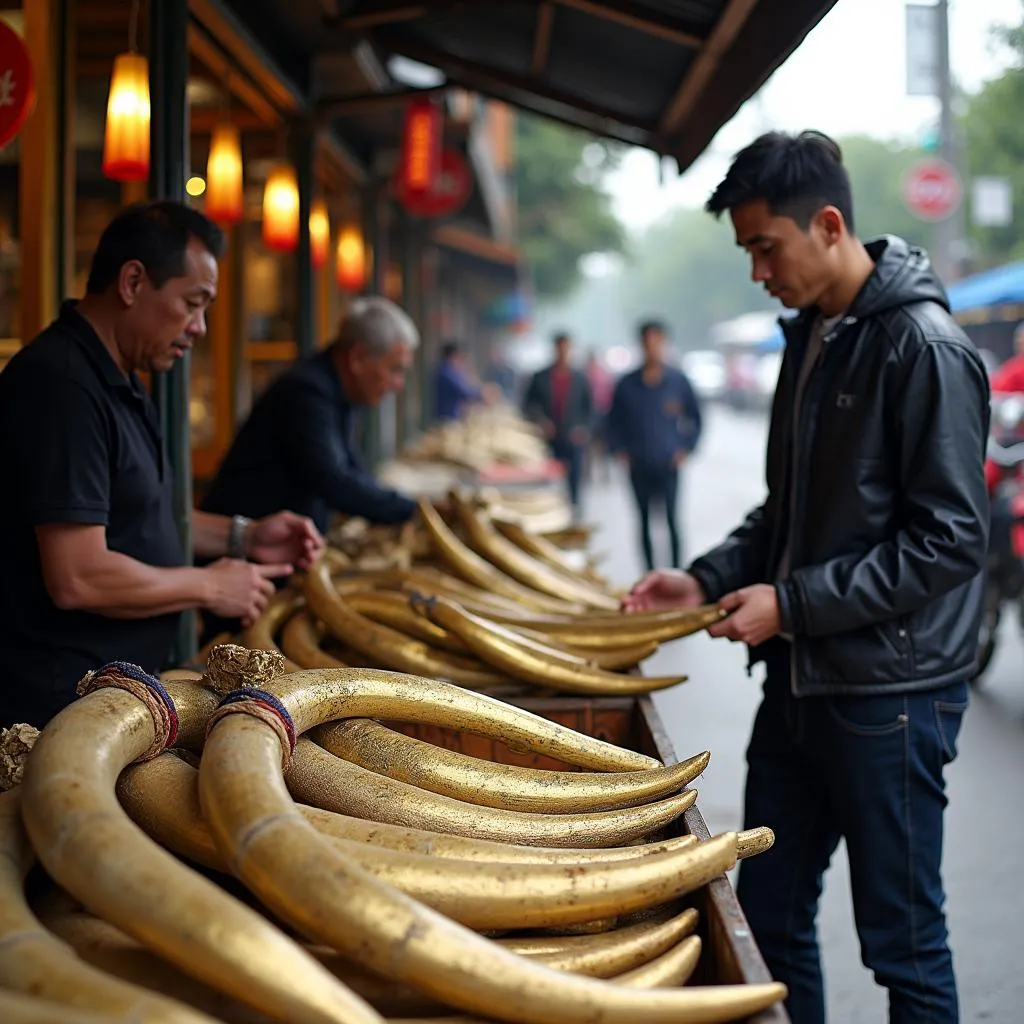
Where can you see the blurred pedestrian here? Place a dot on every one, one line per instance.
(558, 398)
(654, 424)
(859, 581)
(454, 390)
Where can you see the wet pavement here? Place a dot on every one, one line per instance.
(715, 709)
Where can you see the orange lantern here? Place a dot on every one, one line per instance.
(421, 147)
(350, 259)
(224, 198)
(319, 234)
(281, 210)
(126, 139)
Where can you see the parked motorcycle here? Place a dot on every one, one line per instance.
(1004, 587)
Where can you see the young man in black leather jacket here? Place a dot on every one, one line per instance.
(858, 581)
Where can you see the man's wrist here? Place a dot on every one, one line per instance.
(239, 534)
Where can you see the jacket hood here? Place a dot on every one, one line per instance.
(903, 274)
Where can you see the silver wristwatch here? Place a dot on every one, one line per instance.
(236, 536)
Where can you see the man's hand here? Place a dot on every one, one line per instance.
(678, 459)
(284, 537)
(240, 590)
(664, 590)
(754, 615)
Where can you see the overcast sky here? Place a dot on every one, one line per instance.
(847, 77)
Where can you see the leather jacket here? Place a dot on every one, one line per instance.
(890, 512)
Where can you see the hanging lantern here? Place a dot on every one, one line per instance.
(224, 198)
(421, 147)
(281, 210)
(126, 139)
(350, 259)
(319, 234)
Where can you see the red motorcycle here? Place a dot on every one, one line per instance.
(1005, 570)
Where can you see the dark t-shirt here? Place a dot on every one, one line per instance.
(79, 443)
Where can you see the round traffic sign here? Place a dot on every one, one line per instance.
(932, 190)
(17, 83)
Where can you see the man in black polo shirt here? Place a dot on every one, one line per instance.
(91, 561)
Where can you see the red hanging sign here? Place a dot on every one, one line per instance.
(451, 191)
(17, 83)
(421, 146)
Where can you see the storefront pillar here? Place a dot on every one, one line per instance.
(169, 162)
(303, 147)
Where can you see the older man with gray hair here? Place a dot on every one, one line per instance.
(297, 450)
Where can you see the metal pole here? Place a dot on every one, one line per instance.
(950, 233)
(303, 155)
(168, 75)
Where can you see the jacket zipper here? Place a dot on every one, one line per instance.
(805, 417)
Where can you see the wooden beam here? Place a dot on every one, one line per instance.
(542, 37)
(383, 14)
(501, 84)
(365, 103)
(641, 18)
(39, 173)
(246, 54)
(221, 67)
(205, 119)
(722, 36)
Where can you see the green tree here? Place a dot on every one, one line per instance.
(994, 140)
(564, 213)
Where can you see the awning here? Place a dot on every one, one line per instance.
(664, 74)
(989, 290)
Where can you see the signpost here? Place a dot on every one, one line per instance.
(932, 190)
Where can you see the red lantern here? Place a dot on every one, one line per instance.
(319, 234)
(224, 199)
(350, 259)
(281, 210)
(421, 147)
(126, 140)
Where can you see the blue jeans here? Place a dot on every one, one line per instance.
(869, 770)
(571, 456)
(651, 486)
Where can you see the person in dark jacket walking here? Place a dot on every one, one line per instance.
(858, 582)
(558, 398)
(654, 424)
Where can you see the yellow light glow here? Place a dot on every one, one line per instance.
(319, 234)
(195, 186)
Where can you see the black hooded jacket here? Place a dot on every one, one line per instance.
(885, 589)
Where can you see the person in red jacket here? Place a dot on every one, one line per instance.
(1007, 380)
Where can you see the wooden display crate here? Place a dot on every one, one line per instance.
(730, 954)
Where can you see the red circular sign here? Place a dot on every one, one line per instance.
(17, 83)
(451, 190)
(932, 190)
